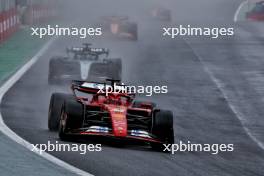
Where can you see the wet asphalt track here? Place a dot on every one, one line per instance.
(202, 115)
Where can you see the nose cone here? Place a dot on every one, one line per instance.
(119, 128)
(119, 121)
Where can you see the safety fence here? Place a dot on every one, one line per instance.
(9, 20)
(13, 13)
(39, 13)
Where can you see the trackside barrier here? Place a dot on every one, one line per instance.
(1, 27)
(9, 23)
(37, 14)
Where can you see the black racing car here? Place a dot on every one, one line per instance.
(257, 13)
(119, 27)
(84, 63)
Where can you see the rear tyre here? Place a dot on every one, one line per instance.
(134, 31)
(56, 102)
(162, 128)
(53, 64)
(117, 69)
(71, 118)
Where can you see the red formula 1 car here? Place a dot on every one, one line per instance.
(257, 13)
(119, 27)
(92, 112)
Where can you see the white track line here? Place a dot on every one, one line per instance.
(11, 134)
(238, 10)
(233, 107)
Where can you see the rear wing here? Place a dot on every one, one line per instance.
(115, 18)
(88, 87)
(87, 50)
(98, 87)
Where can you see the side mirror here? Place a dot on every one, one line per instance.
(146, 105)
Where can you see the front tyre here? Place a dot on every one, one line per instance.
(71, 118)
(162, 128)
(56, 102)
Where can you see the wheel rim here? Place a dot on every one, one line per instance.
(63, 121)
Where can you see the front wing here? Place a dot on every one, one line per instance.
(104, 132)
